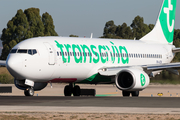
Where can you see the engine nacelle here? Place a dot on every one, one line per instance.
(37, 85)
(131, 79)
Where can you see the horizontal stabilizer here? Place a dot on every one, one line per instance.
(2, 62)
(175, 50)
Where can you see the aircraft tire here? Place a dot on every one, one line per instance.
(135, 93)
(76, 91)
(67, 90)
(125, 93)
(29, 92)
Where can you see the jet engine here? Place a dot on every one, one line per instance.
(131, 79)
(37, 85)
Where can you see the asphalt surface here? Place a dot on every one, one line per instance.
(108, 100)
(59, 101)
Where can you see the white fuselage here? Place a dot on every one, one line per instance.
(76, 59)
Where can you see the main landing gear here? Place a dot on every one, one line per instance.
(70, 89)
(29, 92)
(133, 93)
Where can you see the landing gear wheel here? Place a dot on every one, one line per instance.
(76, 91)
(125, 93)
(135, 93)
(67, 90)
(29, 92)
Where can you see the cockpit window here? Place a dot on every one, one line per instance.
(32, 51)
(22, 51)
(13, 51)
(29, 51)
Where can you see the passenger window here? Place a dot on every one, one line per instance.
(57, 53)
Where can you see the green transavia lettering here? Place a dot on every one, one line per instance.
(95, 54)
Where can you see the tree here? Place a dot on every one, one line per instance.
(48, 25)
(73, 35)
(110, 29)
(139, 28)
(124, 31)
(26, 25)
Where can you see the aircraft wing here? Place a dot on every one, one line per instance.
(163, 66)
(2, 62)
(171, 67)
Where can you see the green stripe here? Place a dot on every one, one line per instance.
(96, 78)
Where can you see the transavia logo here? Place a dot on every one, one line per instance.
(167, 19)
(143, 80)
(93, 54)
(167, 11)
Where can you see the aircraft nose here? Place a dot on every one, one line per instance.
(14, 65)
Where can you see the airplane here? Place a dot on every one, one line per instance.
(129, 64)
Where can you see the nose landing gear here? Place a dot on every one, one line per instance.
(29, 92)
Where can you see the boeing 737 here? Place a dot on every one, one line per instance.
(128, 63)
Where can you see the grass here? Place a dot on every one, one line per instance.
(5, 76)
(166, 81)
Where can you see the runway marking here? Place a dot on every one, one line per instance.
(109, 94)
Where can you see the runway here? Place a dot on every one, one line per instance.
(108, 100)
(141, 102)
(143, 105)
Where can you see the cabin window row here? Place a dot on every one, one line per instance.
(131, 55)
